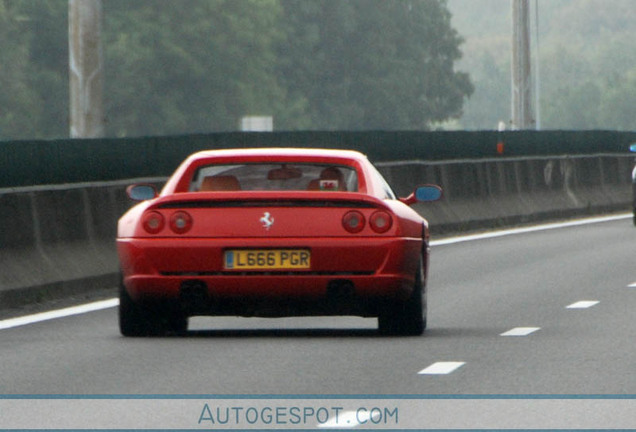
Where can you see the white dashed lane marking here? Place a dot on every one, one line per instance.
(520, 331)
(441, 368)
(632, 285)
(583, 304)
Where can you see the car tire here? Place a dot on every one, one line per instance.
(407, 318)
(136, 320)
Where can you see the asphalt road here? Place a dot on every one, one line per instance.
(479, 290)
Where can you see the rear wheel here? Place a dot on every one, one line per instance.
(139, 320)
(407, 318)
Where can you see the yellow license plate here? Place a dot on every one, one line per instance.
(267, 259)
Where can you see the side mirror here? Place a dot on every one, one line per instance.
(426, 193)
(141, 192)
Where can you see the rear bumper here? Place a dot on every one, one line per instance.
(375, 268)
(273, 296)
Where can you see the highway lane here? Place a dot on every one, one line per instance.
(478, 290)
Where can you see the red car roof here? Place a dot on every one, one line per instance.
(280, 152)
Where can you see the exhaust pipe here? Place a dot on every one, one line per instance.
(340, 295)
(193, 296)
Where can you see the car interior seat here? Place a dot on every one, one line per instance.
(220, 183)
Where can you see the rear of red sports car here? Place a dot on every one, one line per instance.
(272, 233)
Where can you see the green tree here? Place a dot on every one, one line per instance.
(558, 110)
(19, 102)
(374, 64)
(586, 61)
(48, 64)
(199, 66)
(196, 66)
(617, 106)
(490, 103)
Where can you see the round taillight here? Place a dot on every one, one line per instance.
(353, 221)
(180, 222)
(381, 221)
(153, 222)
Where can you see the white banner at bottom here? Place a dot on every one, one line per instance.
(272, 412)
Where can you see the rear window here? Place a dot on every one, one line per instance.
(275, 177)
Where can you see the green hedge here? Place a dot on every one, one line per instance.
(25, 163)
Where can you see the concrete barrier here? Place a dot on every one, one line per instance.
(487, 193)
(59, 241)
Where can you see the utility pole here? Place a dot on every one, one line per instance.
(85, 68)
(522, 114)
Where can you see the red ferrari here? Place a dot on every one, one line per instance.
(273, 232)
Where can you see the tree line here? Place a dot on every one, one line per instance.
(196, 66)
(585, 56)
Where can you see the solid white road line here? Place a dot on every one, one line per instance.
(520, 331)
(441, 368)
(61, 313)
(534, 228)
(583, 304)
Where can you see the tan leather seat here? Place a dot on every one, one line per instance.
(220, 183)
(314, 185)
